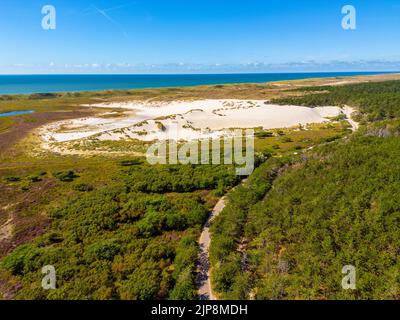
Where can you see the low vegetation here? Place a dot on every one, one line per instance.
(291, 228)
(115, 227)
(136, 239)
(376, 101)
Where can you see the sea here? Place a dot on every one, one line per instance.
(27, 84)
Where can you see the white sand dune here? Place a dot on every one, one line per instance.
(185, 120)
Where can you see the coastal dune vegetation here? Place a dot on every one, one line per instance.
(115, 227)
(131, 239)
(290, 229)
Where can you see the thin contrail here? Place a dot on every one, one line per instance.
(103, 12)
(121, 6)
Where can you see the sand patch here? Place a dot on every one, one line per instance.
(6, 229)
(184, 120)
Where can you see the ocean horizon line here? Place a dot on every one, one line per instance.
(198, 73)
(59, 83)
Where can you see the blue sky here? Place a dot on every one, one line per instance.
(191, 36)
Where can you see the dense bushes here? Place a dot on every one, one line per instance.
(36, 96)
(17, 261)
(357, 223)
(227, 229)
(66, 176)
(378, 101)
(184, 269)
(340, 206)
(181, 178)
(118, 242)
(103, 250)
(142, 284)
(12, 179)
(284, 234)
(337, 206)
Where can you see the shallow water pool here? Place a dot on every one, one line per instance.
(16, 113)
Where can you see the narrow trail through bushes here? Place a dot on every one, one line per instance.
(203, 277)
(203, 269)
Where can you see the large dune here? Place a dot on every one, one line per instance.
(184, 120)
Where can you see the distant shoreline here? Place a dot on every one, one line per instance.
(61, 83)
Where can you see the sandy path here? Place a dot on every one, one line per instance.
(354, 125)
(203, 278)
(7, 227)
(6, 230)
(348, 111)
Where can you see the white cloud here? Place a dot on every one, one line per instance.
(182, 67)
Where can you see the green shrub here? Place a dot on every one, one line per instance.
(12, 179)
(129, 163)
(83, 187)
(184, 288)
(142, 284)
(35, 96)
(22, 260)
(378, 101)
(34, 178)
(66, 176)
(104, 250)
(286, 139)
(263, 134)
(151, 224)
